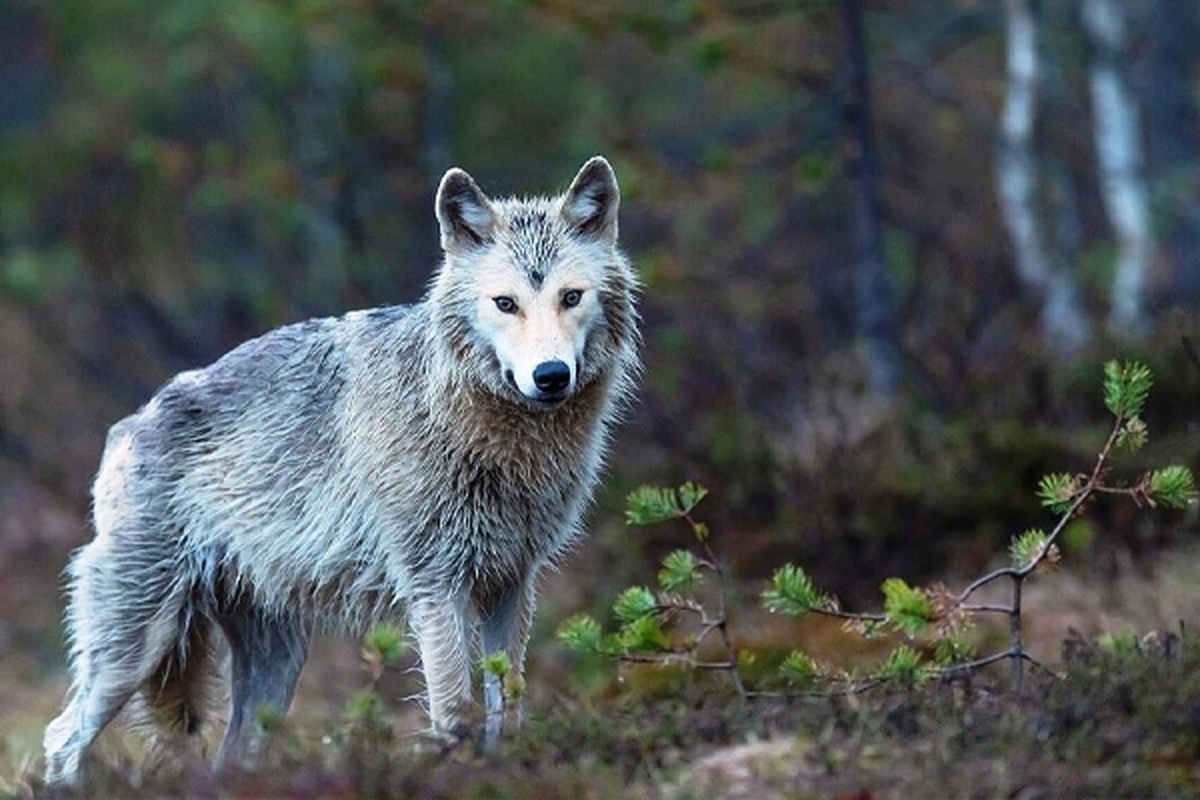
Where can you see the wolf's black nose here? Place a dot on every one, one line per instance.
(551, 376)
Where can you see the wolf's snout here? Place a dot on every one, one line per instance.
(552, 377)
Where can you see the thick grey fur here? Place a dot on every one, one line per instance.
(347, 470)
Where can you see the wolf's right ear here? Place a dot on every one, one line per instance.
(464, 213)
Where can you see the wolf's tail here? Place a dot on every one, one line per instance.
(173, 705)
(174, 702)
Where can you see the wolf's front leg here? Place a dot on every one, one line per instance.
(506, 628)
(441, 628)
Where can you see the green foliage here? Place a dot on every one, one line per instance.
(1121, 643)
(644, 634)
(952, 650)
(269, 718)
(1126, 387)
(497, 664)
(650, 505)
(387, 641)
(583, 634)
(711, 53)
(514, 686)
(1132, 435)
(907, 608)
(816, 169)
(634, 603)
(1079, 536)
(690, 494)
(792, 592)
(382, 646)
(904, 665)
(1025, 548)
(30, 276)
(364, 705)
(680, 571)
(1057, 491)
(1172, 486)
(868, 628)
(799, 670)
(716, 157)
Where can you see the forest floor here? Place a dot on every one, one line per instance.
(1107, 722)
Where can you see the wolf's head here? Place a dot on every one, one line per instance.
(535, 291)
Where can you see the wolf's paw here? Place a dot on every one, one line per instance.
(439, 741)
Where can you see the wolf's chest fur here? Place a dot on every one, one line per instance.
(495, 493)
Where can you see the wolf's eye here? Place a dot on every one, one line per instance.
(506, 304)
(571, 298)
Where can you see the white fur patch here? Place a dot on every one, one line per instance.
(111, 497)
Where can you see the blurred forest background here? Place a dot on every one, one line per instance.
(886, 247)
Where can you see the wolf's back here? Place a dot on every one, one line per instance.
(243, 467)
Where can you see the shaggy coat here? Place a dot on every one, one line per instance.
(422, 457)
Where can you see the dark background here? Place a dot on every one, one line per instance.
(839, 341)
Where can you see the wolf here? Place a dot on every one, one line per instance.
(425, 461)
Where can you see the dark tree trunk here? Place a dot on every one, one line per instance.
(1172, 143)
(876, 325)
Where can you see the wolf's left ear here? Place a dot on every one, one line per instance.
(464, 213)
(590, 204)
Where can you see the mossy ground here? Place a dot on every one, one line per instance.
(1121, 720)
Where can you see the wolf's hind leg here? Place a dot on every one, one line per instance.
(440, 627)
(120, 639)
(267, 653)
(70, 735)
(505, 628)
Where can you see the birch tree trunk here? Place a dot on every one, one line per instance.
(1064, 324)
(1119, 153)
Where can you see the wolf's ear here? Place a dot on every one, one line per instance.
(590, 204)
(464, 213)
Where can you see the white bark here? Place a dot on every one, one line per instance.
(1063, 321)
(1017, 176)
(1119, 152)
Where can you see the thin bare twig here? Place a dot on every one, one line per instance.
(686, 658)
(850, 616)
(720, 621)
(984, 608)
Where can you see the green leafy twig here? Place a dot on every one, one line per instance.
(383, 646)
(1126, 389)
(641, 613)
